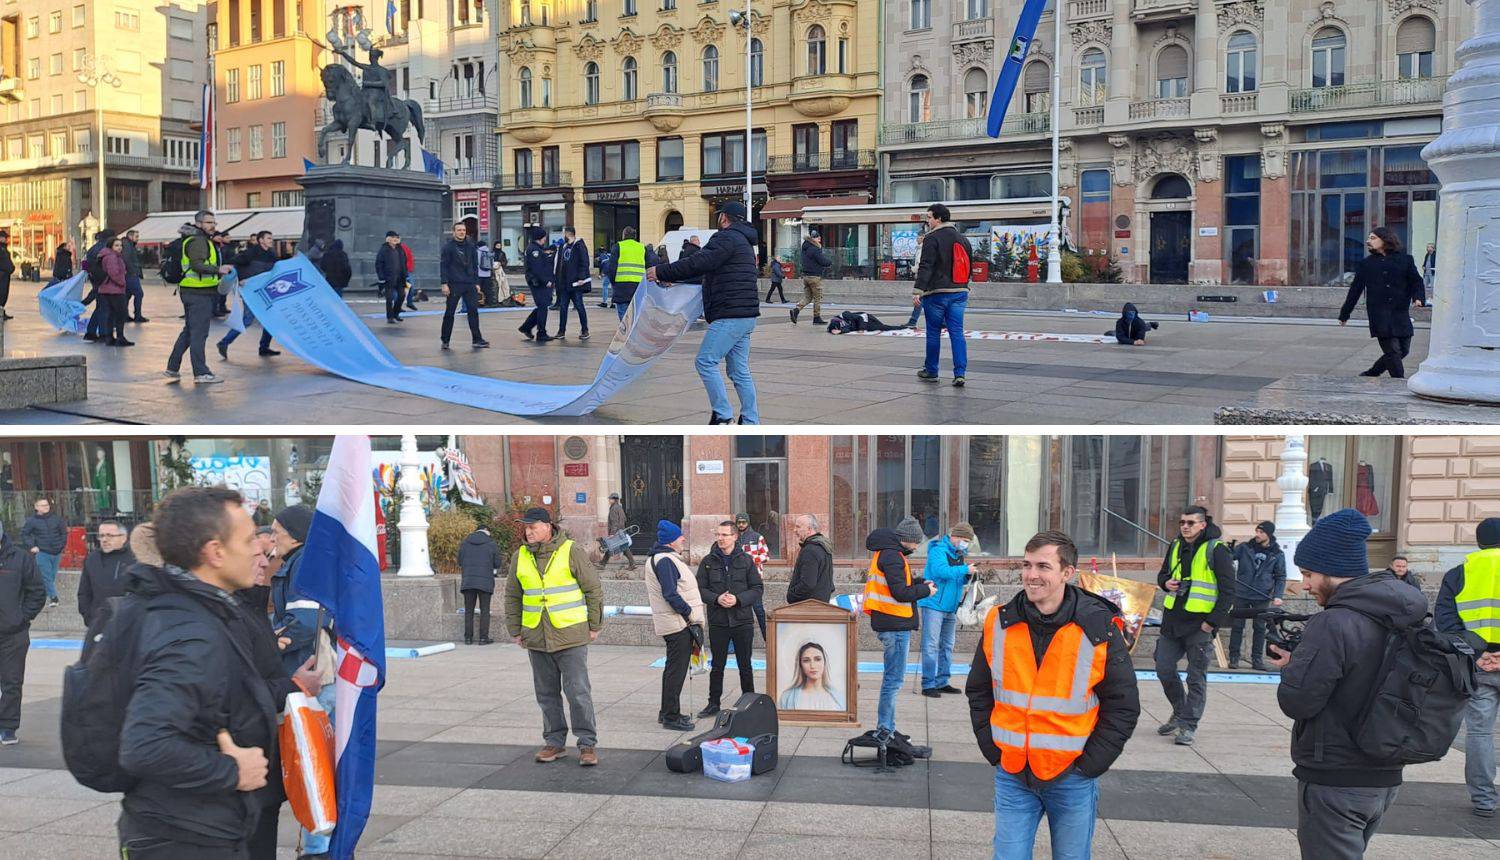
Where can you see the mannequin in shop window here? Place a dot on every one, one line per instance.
(1319, 485)
(1364, 490)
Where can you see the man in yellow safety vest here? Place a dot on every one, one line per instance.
(1198, 577)
(202, 266)
(554, 607)
(1469, 602)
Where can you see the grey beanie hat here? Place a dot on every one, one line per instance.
(909, 531)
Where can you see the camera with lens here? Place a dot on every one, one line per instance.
(1283, 629)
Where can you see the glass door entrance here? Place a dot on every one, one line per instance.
(761, 492)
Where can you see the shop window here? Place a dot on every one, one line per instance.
(1357, 472)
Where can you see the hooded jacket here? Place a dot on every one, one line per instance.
(815, 261)
(1130, 328)
(47, 532)
(1331, 674)
(479, 560)
(573, 266)
(114, 272)
(946, 567)
(62, 264)
(1260, 571)
(1177, 621)
(22, 594)
(812, 573)
(335, 266)
(103, 577)
(729, 574)
(544, 637)
(890, 556)
(727, 266)
(132, 257)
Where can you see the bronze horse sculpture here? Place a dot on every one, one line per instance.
(352, 111)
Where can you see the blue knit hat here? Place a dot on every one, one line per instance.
(1335, 546)
(667, 532)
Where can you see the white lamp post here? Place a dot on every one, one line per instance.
(1054, 252)
(93, 73)
(414, 560)
(1291, 514)
(742, 19)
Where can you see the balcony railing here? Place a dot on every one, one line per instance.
(539, 179)
(71, 159)
(664, 101)
(459, 104)
(861, 159)
(1160, 10)
(1238, 102)
(1161, 109)
(469, 174)
(962, 129)
(1089, 115)
(1086, 9)
(968, 31)
(1408, 91)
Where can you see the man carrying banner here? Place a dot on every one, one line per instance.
(554, 607)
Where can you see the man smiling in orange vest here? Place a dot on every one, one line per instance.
(1053, 699)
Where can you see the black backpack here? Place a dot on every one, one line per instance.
(1415, 710)
(94, 265)
(171, 262)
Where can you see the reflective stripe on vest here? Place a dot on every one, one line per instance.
(1032, 722)
(1203, 585)
(1479, 600)
(878, 592)
(192, 279)
(556, 591)
(631, 267)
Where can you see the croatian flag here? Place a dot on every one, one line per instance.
(390, 17)
(206, 139)
(341, 572)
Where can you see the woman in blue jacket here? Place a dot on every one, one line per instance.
(946, 566)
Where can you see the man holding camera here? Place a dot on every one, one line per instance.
(1342, 793)
(1198, 576)
(1469, 602)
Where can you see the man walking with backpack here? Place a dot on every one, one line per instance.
(22, 597)
(942, 289)
(1469, 602)
(1342, 791)
(200, 266)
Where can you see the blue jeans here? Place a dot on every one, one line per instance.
(939, 629)
(46, 565)
(605, 289)
(572, 296)
(1069, 801)
(319, 844)
(230, 336)
(133, 291)
(946, 311)
(1479, 742)
(621, 308)
(916, 312)
(729, 341)
(896, 644)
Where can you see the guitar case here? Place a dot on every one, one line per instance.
(753, 718)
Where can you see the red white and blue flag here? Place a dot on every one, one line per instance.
(206, 139)
(341, 571)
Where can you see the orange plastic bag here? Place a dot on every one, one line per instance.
(307, 763)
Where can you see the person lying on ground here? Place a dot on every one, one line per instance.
(859, 321)
(1130, 329)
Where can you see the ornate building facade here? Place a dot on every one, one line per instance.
(1203, 141)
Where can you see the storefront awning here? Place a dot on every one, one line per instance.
(161, 228)
(791, 207)
(284, 222)
(1020, 209)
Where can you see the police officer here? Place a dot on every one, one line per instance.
(540, 279)
(1469, 602)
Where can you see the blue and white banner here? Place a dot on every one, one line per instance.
(297, 306)
(1010, 69)
(62, 305)
(236, 320)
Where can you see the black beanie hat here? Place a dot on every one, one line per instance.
(1488, 533)
(1268, 527)
(296, 519)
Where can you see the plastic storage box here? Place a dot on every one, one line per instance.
(728, 759)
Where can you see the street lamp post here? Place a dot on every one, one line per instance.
(92, 73)
(413, 526)
(1054, 255)
(737, 19)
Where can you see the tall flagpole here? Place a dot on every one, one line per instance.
(749, 138)
(213, 136)
(1054, 255)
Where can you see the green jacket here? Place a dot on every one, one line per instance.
(544, 637)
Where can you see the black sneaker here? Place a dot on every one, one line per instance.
(1168, 727)
(679, 724)
(817, 320)
(268, 352)
(481, 344)
(139, 319)
(707, 712)
(958, 382)
(713, 418)
(584, 335)
(795, 311)
(932, 693)
(526, 334)
(1480, 811)
(545, 338)
(445, 345)
(223, 350)
(949, 688)
(930, 377)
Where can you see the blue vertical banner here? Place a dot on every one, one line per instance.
(1010, 70)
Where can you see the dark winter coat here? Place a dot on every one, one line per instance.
(47, 532)
(890, 556)
(1177, 621)
(196, 676)
(132, 258)
(1119, 699)
(335, 266)
(62, 264)
(1390, 283)
(573, 265)
(103, 577)
(479, 559)
(297, 623)
(727, 265)
(812, 573)
(459, 264)
(22, 593)
(1331, 674)
(935, 271)
(539, 266)
(815, 261)
(734, 574)
(1260, 572)
(254, 260)
(1130, 328)
(390, 265)
(114, 273)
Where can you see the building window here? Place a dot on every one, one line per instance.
(252, 199)
(612, 162)
(80, 15)
(1038, 87)
(252, 83)
(287, 198)
(551, 157)
(669, 72)
(213, 37)
(669, 160)
(232, 145)
(78, 55)
(1242, 216)
(126, 19)
(54, 23)
(180, 28)
(278, 140)
(278, 78)
(257, 142)
(591, 83)
(628, 75)
(33, 68)
(757, 63)
(1240, 64)
(845, 144)
(1328, 50)
(627, 8)
(34, 25)
(805, 147)
(231, 85)
(918, 100)
(56, 103)
(668, 5)
(546, 92)
(590, 11)
(80, 100)
(525, 13)
(54, 64)
(182, 70)
(710, 69)
(524, 78)
(843, 67)
(523, 168)
(59, 143)
(1093, 78)
(463, 152)
(1172, 72)
(817, 50)
(180, 151)
(921, 14)
(1415, 41)
(977, 9)
(724, 154)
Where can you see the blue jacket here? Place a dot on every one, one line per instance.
(291, 611)
(573, 265)
(459, 266)
(946, 567)
(1259, 579)
(539, 266)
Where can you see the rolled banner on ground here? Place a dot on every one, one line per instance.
(62, 307)
(297, 306)
(307, 764)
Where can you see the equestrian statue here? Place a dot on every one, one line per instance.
(367, 104)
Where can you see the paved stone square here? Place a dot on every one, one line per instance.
(803, 375)
(455, 779)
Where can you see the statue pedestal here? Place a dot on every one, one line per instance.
(359, 204)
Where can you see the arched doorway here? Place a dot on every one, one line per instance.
(672, 222)
(1171, 229)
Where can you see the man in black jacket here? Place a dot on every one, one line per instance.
(459, 268)
(891, 594)
(731, 303)
(256, 258)
(1259, 582)
(1341, 793)
(812, 572)
(133, 272)
(7, 268)
(201, 718)
(390, 270)
(104, 571)
(541, 278)
(478, 560)
(22, 597)
(45, 535)
(942, 299)
(730, 587)
(1062, 626)
(1198, 576)
(1391, 284)
(573, 280)
(815, 264)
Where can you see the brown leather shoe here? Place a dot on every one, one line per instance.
(587, 757)
(550, 753)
